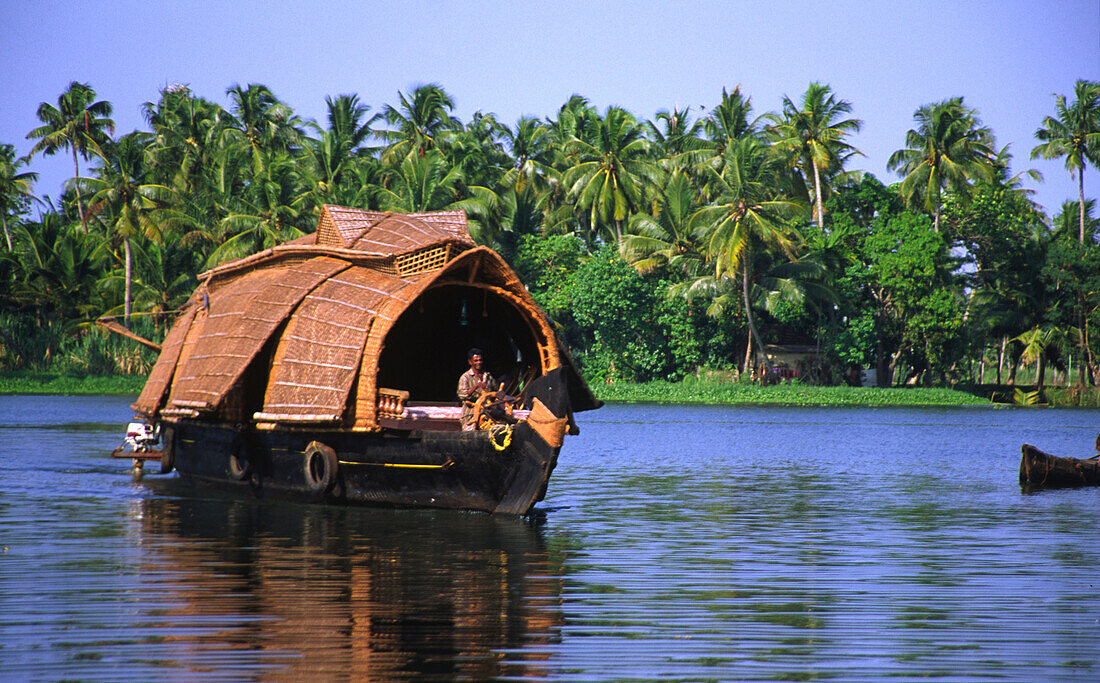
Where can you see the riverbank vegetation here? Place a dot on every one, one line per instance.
(720, 240)
(715, 389)
(715, 392)
(69, 384)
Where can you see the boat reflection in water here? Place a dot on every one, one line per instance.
(288, 591)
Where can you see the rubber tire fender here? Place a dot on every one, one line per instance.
(240, 467)
(319, 464)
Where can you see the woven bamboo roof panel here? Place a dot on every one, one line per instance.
(156, 386)
(451, 222)
(242, 316)
(320, 352)
(389, 233)
(469, 268)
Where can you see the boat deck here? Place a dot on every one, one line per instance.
(442, 417)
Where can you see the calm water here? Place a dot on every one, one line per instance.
(689, 543)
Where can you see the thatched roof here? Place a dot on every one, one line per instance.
(388, 232)
(299, 333)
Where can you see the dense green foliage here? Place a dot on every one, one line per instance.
(657, 247)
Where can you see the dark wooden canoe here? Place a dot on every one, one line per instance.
(1039, 470)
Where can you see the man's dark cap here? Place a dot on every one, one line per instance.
(474, 352)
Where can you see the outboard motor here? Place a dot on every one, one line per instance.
(142, 437)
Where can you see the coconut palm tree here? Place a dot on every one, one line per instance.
(15, 187)
(428, 183)
(336, 148)
(576, 119)
(810, 137)
(610, 175)
(262, 123)
(1067, 221)
(729, 121)
(748, 213)
(477, 148)
(57, 270)
(417, 122)
(1075, 135)
(163, 278)
(421, 183)
(77, 122)
(348, 122)
(670, 238)
(675, 136)
(947, 151)
(130, 206)
(531, 148)
(186, 129)
(1038, 343)
(268, 212)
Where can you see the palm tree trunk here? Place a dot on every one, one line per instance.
(1082, 328)
(1001, 357)
(76, 185)
(1090, 362)
(748, 356)
(1081, 198)
(129, 276)
(887, 380)
(753, 334)
(7, 235)
(817, 196)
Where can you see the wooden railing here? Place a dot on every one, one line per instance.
(391, 402)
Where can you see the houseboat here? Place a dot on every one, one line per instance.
(326, 368)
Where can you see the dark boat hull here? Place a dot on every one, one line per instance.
(422, 469)
(1039, 470)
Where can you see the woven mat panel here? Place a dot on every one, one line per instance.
(320, 352)
(452, 222)
(156, 386)
(190, 341)
(240, 320)
(399, 233)
(341, 225)
(327, 233)
(390, 309)
(282, 262)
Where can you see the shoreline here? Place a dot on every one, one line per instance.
(692, 391)
(53, 384)
(689, 391)
(695, 391)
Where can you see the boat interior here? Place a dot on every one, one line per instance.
(425, 353)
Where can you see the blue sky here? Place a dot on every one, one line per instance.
(886, 57)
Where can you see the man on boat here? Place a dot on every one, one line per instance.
(471, 385)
